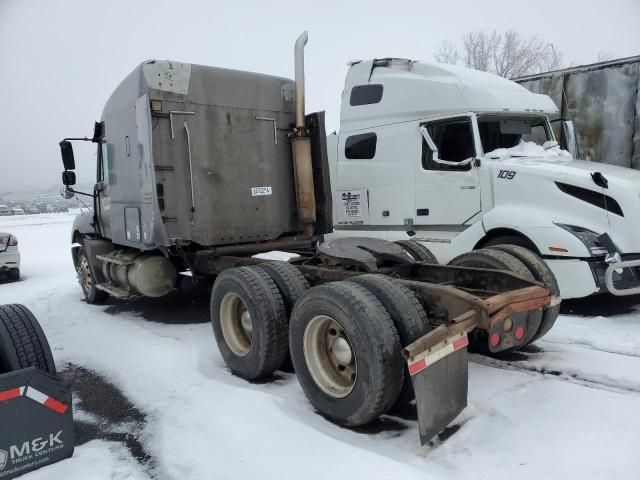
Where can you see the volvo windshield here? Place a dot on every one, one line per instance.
(516, 136)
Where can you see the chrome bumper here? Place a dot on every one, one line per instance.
(608, 278)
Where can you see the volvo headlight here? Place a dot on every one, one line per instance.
(587, 237)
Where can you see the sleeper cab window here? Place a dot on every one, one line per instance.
(365, 94)
(361, 146)
(454, 139)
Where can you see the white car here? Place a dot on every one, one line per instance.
(9, 256)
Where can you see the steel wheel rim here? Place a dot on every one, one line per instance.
(84, 274)
(330, 357)
(236, 324)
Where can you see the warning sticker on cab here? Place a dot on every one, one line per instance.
(352, 203)
(258, 191)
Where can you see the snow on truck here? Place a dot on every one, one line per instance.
(461, 160)
(200, 168)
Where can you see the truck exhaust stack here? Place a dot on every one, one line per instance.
(301, 145)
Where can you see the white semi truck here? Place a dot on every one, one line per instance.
(460, 160)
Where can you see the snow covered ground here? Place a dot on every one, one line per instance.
(156, 401)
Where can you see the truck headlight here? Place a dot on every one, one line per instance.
(587, 237)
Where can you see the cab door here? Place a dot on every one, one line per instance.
(103, 190)
(447, 185)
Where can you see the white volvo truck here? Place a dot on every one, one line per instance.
(459, 159)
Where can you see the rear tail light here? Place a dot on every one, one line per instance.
(495, 339)
(13, 241)
(519, 332)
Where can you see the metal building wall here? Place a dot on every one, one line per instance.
(603, 102)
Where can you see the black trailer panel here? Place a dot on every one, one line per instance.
(36, 421)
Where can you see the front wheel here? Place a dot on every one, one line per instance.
(87, 280)
(14, 274)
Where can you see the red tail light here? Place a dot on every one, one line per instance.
(495, 339)
(13, 241)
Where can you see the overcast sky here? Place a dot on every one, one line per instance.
(60, 60)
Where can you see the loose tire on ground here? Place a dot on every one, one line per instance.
(22, 341)
(249, 322)
(87, 281)
(419, 252)
(408, 315)
(344, 322)
(542, 273)
(499, 260)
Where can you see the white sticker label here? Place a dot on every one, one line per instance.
(352, 203)
(257, 191)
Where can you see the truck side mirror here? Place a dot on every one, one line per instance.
(67, 193)
(66, 149)
(68, 177)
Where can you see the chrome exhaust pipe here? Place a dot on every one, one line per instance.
(299, 69)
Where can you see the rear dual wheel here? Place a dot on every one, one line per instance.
(408, 316)
(418, 251)
(250, 309)
(542, 273)
(249, 322)
(525, 263)
(344, 337)
(346, 352)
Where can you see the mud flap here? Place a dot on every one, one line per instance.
(440, 380)
(36, 421)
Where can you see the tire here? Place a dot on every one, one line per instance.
(290, 281)
(542, 273)
(87, 282)
(408, 315)
(22, 341)
(14, 274)
(255, 352)
(291, 284)
(499, 260)
(365, 338)
(419, 252)
(511, 240)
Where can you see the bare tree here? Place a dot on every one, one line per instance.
(554, 59)
(603, 56)
(507, 54)
(447, 53)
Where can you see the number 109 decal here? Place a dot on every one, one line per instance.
(508, 174)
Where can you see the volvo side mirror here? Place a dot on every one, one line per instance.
(68, 177)
(66, 150)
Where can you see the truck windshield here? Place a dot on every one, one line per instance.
(514, 136)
